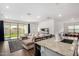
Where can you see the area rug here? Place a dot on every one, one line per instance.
(15, 45)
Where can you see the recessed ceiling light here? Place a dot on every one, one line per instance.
(7, 7)
(72, 18)
(29, 14)
(21, 16)
(59, 15)
(38, 16)
(57, 3)
(49, 17)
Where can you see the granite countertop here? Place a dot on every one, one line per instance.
(59, 47)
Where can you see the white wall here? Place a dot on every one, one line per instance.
(33, 28)
(47, 24)
(1, 16)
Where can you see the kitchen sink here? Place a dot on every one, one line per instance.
(67, 41)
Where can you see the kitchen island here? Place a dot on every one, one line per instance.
(51, 47)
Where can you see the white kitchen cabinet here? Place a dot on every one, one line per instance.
(47, 52)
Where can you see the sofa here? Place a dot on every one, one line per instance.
(28, 40)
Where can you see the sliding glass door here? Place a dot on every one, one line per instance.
(14, 30)
(25, 29)
(22, 29)
(7, 30)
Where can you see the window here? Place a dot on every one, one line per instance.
(70, 28)
(14, 30)
(7, 30)
(73, 28)
(76, 28)
(22, 29)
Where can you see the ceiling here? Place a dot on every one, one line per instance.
(35, 12)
